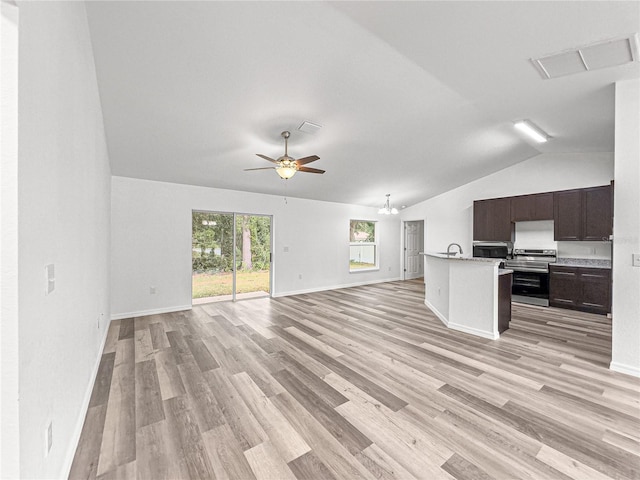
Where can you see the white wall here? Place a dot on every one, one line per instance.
(539, 234)
(449, 217)
(626, 230)
(9, 356)
(151, 242)
(63, 219)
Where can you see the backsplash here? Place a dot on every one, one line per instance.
(539, 234)
(595, 250)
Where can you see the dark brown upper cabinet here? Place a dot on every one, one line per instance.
(567, 217)
(492, 220)
(584, 214)
(597, 213)
(538, 206)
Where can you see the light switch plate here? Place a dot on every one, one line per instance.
(636, 260)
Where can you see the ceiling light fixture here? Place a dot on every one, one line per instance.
(387, 209)
(286, 169)
(535, 132)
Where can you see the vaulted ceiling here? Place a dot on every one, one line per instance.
(414, 98)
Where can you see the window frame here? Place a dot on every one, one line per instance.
(375, 244)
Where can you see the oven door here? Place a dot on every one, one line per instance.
(531, 284)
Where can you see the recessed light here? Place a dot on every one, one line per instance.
(532, 130)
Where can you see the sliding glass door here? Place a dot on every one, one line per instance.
(231, 256)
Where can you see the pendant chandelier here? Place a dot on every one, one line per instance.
(386, 208)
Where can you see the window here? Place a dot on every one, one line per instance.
(363, 246)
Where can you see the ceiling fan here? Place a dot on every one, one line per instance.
(287, 166)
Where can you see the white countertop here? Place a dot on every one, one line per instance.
(494, 261)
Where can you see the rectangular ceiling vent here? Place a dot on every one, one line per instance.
(609, 53)
(309, 127)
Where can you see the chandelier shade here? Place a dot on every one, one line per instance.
(387, 209)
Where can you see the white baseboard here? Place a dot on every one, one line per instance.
(474, 331)
(442, 318)
(333, 287)
(154, 311)
(627, 369)
(461, 328)
(77, 431)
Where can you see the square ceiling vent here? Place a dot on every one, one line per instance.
(609, 53)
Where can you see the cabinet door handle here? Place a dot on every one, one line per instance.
(563, 273)
(594, 275)
(592, 304)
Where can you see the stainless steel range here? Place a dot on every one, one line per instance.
(531, 275)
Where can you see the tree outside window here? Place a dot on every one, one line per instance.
(363, 246)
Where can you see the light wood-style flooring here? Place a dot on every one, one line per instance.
(358, 383)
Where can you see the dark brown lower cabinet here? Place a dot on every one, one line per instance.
(580, 288)
(505, 282)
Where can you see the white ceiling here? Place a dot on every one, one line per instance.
(415, 98)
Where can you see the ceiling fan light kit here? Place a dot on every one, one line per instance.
(387, 209)
(286, 166)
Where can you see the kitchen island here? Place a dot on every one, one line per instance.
(468, 294)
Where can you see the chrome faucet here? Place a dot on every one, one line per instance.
(451, 245)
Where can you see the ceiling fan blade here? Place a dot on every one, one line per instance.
(261, 168)
(267, 158)
(310, 170)
(305, 160)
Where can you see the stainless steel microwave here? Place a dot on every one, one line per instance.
(493, 249)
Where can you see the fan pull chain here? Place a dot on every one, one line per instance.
(285, 193)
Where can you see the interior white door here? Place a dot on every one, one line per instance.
(413, 264)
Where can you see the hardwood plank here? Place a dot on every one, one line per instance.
(159, 339)
(169, 377)
(201, 354)
(460, 468)
(334, 455)
(144, 349)
(149, 407)
(267, 464)
(119, 439)
(310, 467)
(339, 427)
(179, 347)
(226, 455)
(158, 455)
(183, 428)
(102, 385)
(126, 329)
(329, 395)
(113, 333)
(200, 398)
(287, 441)
(382, 465)
(244, 426)
(85, 461)
(122, 472)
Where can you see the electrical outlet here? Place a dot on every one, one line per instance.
(152, 290)
(438, 291)
(98, 322)
(285, 249)
(299, 276)
(636, 260)
(48, 438)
